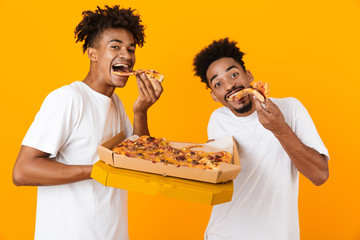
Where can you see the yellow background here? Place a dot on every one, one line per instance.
(306, 49)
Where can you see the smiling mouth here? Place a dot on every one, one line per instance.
(233, 93)
(121, 68)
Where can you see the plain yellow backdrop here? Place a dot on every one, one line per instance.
(306, 49)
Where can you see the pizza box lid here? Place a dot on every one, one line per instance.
(225, 172)
(194, 191)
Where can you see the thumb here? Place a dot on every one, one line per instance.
(257, 103)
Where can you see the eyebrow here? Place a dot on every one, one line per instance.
(228, 69)
(119, 41)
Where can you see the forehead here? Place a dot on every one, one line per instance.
(121, 34)
(220, 66)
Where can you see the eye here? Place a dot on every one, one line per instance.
(235, 74)
(115, 47)
(131, 50)
(217, 85)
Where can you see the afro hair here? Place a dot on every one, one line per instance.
(216, 50)
(95, 22)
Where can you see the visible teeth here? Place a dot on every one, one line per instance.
(121, 65)
(232, 95)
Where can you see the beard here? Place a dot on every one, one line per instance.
(244, 109)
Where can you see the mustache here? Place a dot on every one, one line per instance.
(232, 90)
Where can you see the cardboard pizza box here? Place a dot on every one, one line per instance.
(225, 172)
(149, 183)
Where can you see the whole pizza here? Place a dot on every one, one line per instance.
(160, 150)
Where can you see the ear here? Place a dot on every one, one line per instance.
(214, 97)
(249, 76)
(92, 54)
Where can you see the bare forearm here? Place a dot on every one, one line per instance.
(308, 161)
(32, 170)
(141, 124)
(147, 97)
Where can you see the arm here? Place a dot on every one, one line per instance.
(34, 168)
(308, 161)
(147, 97)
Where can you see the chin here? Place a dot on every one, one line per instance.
(244, 109)
(119, 83)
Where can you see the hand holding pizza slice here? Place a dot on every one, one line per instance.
(152, 75)
(259, 89)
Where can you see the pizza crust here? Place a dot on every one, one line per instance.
(152, 75)
(259, 90)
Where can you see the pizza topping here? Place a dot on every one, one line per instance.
(180, 158)
(160, 150)
(259, 89)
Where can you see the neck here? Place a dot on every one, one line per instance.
(242, 114)
(94, 82)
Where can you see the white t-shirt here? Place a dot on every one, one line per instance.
(71, 123)
(265, 199)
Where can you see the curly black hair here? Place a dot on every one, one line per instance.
(95, 22)
(215, 51)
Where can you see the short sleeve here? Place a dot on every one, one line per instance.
(210, 128)
(214, 128)
(53, 123)
(128, 126)
(305, 129)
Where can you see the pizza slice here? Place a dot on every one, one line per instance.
(262, 88)
(259, 89)
(152, 75)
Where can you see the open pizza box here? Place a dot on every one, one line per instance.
(224, 173)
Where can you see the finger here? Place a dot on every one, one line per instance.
(259, 107)
(144, 100)
(148, 86)
(265, 104)
(269, 105)
(142, 79)
(263, 114)
(140, 85)
(272, 107)
(159, 89)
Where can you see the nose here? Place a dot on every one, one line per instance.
(228, 84)
(124, 53)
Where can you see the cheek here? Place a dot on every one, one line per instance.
(219, 96)
(133, 59)
(107, 59)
